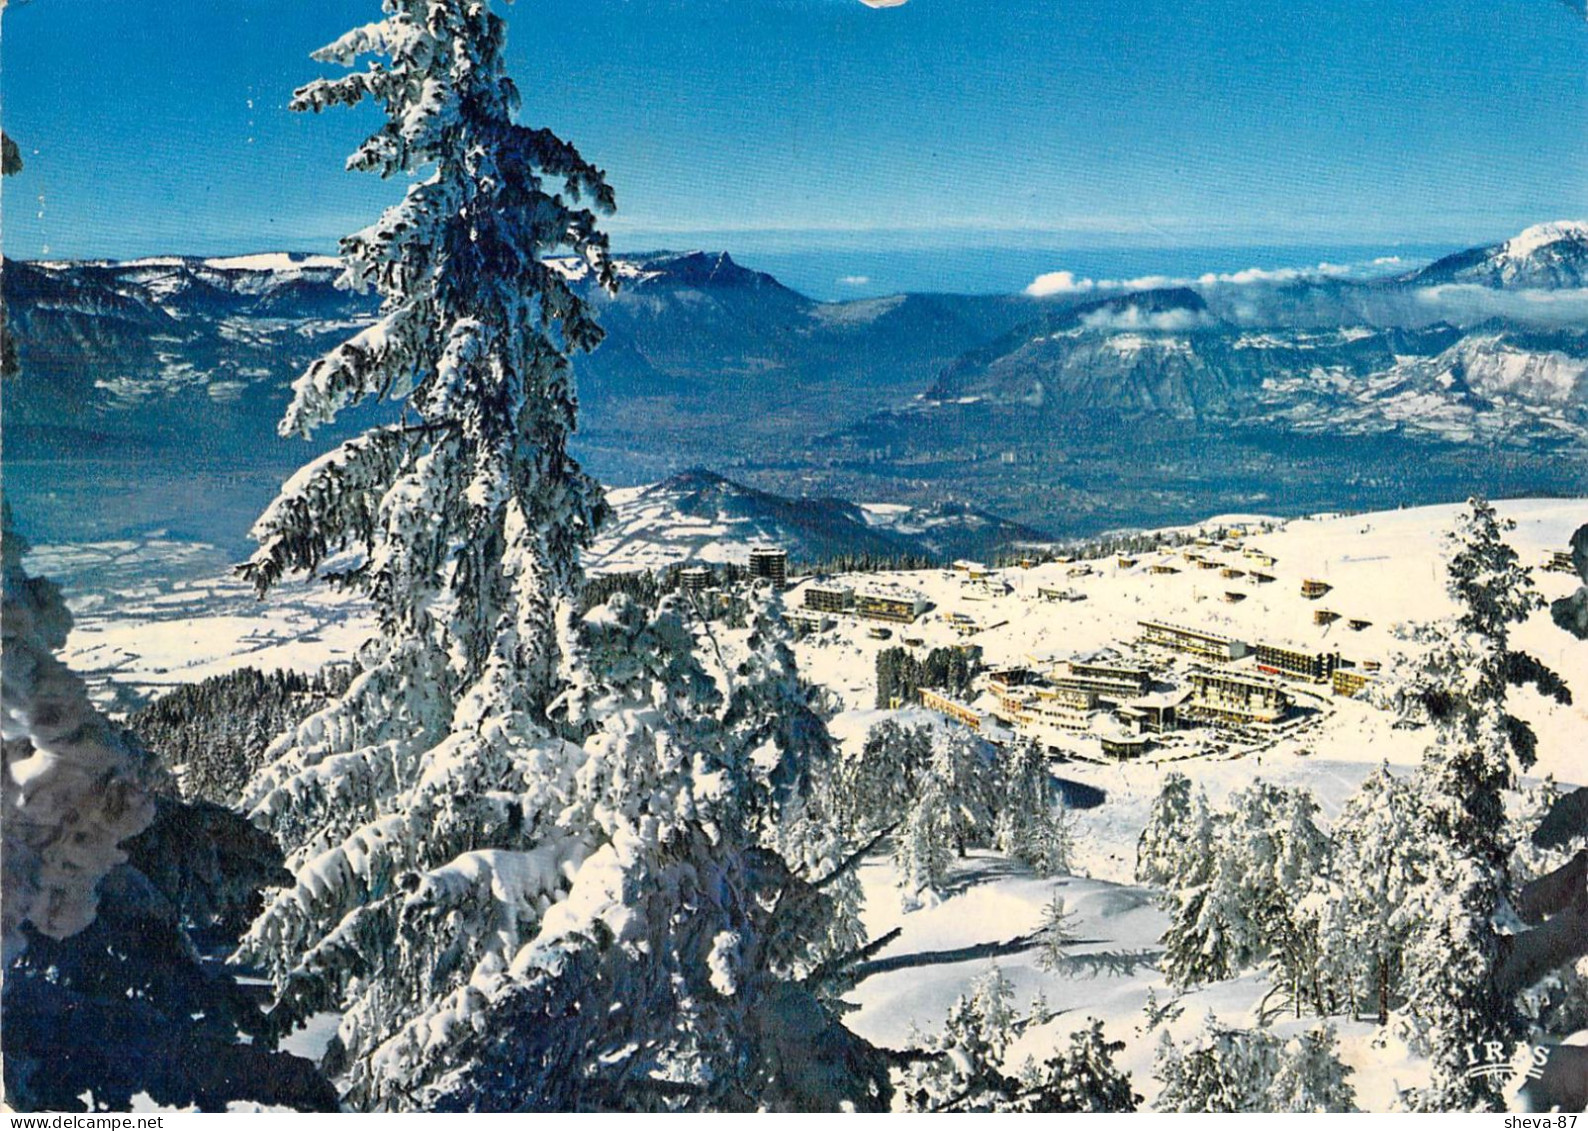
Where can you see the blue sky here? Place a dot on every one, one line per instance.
(161, 125)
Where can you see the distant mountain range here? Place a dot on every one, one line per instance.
(151, 389)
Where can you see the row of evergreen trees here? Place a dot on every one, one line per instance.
(867, 561)
(938, 791)
(900, 675)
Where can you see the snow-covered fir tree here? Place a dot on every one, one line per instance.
(963, 1066)
(685, 968)
(1033, 826)
(1056, 934)
(1176, 846)
(937, 790)
(463, 525)
(963, 1069)
(1080, 1078)
(1379, 860)
(1310, 1076)
(1457, 999)
(539, 859)
(1223, 1069)
(1219, 1069)
(1257, 903)
(951, 810)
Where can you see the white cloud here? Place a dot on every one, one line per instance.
(1066, 282)
(1059, 283)
(854, 280)
(1134, 318)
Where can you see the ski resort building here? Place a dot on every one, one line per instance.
(829, 598)
(1348, 682)
(771, 563)
(1312, 588)
(1111, 682)
(1039, 710)
(1279, 660)
(1054, 593)
(694, 579)
(1224, 698)
(805, 622)
(1196, 642)
(983, 588)
(1002, 679)
(899, 608)
(1123, 746)
(952, 708)
(1153, 714)
(1559, 561)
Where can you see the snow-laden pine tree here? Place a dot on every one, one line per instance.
(869, 788)
(962, 1068)
(1219, 1069)
(1378, 862)
(540, 860)
(1257, 902)
(1033, 826)
(685, 968)
(1176, 846)
(936, 789)
(1222, 1069)
(950, 811)
(1456, 998)
(1079, 1078)
(1310, 1076)
(421, 812)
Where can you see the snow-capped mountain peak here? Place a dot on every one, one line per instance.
(1553, 255)
(1523, 246)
